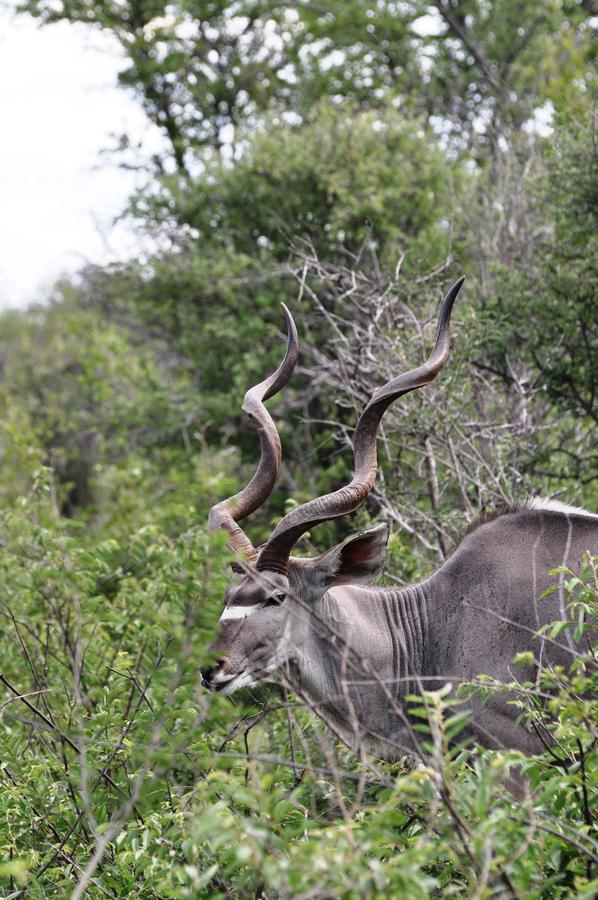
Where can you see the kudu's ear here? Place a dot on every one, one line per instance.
(359, 559)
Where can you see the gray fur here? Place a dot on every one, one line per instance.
(354, 651)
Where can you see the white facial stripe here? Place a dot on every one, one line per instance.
(239, 612)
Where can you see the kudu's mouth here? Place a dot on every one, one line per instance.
(217, 683)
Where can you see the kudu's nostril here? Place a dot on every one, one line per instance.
(206, 676)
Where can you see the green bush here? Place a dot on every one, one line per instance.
(109, 745)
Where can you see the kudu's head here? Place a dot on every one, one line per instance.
(271, 593)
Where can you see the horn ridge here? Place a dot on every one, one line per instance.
(275, 553)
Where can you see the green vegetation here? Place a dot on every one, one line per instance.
(117, 748)
(352, 159)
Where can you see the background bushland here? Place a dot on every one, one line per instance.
(353, 159)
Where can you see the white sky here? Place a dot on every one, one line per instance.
(59, 105)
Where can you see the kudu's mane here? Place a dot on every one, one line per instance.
(490, 515)
(537, 504)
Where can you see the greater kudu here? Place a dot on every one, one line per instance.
(354, 651)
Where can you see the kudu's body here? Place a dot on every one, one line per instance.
(364, 649)
(354, 651)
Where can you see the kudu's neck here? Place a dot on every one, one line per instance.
(362, 641)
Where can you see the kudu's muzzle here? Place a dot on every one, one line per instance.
(208, 675)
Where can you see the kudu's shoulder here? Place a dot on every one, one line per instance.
(549, 530)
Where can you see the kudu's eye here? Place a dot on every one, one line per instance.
(276, 599)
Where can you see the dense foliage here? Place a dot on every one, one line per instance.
(111, 751)
(350, 158)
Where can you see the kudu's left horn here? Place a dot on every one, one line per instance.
(228, 512)
(274, 556)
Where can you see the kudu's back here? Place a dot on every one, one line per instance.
(486, 605)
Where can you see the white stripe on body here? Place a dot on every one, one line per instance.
(562, 584)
